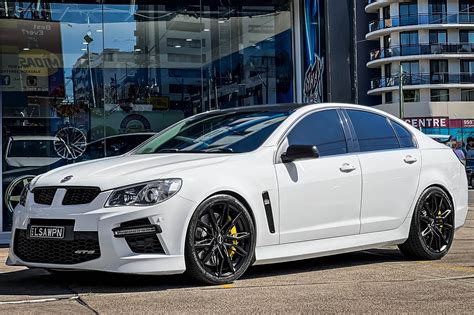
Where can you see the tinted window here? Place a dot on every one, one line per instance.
(322, 129)
(373, 131)
(404, 136)
(217, 132)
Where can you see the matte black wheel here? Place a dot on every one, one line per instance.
(432, 226)
(220, 242)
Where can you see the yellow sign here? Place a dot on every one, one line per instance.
(159, 102)
(39, 62)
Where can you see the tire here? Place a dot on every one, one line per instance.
(432, 227)
(219, 250)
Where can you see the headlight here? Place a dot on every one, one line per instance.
(24, 194)
(144, 194)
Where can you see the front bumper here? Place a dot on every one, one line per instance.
(116, 255)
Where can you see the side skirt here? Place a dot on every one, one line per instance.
(330, 246)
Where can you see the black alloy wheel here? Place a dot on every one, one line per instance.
(220, 241)
(432, 227)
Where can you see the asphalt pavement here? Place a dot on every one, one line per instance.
(379, 280)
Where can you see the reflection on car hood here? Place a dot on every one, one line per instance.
(125, 170)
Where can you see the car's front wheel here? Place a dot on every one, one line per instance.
(432, 226)
(220, 241)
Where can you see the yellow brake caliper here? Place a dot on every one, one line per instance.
(440, 220)
(233, 232)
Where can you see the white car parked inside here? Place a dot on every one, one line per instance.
(220, 191)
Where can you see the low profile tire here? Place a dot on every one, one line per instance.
(432, 227)
(220, 241)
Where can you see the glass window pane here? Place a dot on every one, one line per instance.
(322, 129)
(112, 73)
(373, 131)
(404, 136)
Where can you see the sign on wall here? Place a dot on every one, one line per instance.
(314, 63)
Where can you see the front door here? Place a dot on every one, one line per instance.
(319, 198)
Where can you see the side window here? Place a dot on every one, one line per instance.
(373, 131)
(322, 129)
(404, 136)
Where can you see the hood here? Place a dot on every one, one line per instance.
(121, 171)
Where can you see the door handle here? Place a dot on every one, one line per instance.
(410, 159)
(347, 168)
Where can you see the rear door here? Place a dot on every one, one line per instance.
(390, 164)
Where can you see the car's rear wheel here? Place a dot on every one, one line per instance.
(432, 226)
(220, 241)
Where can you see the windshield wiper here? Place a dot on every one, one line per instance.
(219, 150)
(168, 151)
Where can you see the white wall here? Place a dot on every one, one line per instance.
(453, 110)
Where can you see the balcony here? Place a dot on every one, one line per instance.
(372, 6)
(421, 49)
(422, 19)
(422, 79)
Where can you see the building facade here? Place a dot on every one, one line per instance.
(428, 46)
(81, 80)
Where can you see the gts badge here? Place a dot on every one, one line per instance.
(84, 252)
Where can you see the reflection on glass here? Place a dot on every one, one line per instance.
(83, 81)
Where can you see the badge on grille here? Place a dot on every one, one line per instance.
(66, 179)
(84, 252)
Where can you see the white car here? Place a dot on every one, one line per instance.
(26, 151)
(220, 191)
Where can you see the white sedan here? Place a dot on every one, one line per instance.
(220, 191)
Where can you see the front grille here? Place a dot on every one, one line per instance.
(57, 251)
(143, 244)
(44, 196)
(80, 195)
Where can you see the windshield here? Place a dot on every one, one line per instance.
(32, 148)
(219, 132)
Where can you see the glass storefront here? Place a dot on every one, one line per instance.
(81, 80)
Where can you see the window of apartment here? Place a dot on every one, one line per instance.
(387, 41)
(467, 71)
(409, 13)
(388, 98)
(466, 37)
(411, 71)
(439, 71)
(411, 96)
(437, 10)
(467, 95)
(388, 74)
(438, 37)
(409, 43)
(386, 12)
(441, 95)
(467, 66)
(466, 11)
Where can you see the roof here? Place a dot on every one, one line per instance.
(34, 138)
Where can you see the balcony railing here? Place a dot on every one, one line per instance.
(423, 79)
(421, 49)
(422, 19)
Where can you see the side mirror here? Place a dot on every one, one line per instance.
(300, 152)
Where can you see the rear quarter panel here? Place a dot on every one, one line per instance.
(441, 167)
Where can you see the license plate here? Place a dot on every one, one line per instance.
(50, 232)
